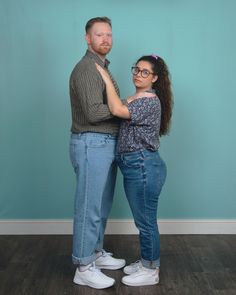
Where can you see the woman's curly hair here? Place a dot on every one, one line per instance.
(162, 87)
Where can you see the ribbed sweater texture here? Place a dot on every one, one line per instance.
(90, 112)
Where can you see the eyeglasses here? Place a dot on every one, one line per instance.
(144, 73)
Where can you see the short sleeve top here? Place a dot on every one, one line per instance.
(141, 131)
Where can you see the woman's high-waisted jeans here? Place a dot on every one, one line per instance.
(144, 174)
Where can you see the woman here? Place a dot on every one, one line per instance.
(146, 116)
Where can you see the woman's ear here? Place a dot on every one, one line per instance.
(155, 78)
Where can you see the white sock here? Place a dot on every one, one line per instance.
(98, 254)
(84, 267)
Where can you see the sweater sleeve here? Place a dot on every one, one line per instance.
(90, 90)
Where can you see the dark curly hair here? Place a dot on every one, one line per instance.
(162, 87)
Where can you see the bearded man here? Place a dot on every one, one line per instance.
(92, 151)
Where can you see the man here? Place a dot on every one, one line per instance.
(92, 151)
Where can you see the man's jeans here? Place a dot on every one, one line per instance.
(144, 175)
(92, 156)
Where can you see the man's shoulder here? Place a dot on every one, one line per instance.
(85, 65)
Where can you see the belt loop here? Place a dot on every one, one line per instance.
(142, 154)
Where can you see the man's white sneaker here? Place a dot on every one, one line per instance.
(143, 277)
(106, 261)
(93, 277)
(132, 268)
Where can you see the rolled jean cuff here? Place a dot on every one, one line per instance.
(84, 260)
(150, 264)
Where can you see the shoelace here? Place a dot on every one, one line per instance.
(136, 264)
(104, 253)
(94, 269)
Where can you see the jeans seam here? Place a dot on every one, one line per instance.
(145, 194)
(145, 204)
(86, 202)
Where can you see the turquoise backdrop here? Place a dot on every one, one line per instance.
(40, 42)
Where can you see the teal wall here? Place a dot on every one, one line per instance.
(40, 41)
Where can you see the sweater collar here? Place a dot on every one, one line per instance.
(97, 59)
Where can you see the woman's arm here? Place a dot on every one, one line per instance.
(115, 104)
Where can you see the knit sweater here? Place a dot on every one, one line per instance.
(90, 112)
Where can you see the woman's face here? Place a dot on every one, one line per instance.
(143, 76)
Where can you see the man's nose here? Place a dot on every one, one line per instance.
(105, 38)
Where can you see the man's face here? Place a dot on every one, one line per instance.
(99, 39)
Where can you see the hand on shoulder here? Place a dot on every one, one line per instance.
(140, 95)
(104, 73)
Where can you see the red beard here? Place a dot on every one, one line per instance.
(103, 49)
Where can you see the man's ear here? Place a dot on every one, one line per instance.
(87, 38)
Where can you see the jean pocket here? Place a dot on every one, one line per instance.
(72, 153)
(96, 143)
(132, 160)
(162, 171)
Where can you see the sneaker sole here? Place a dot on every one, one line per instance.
(78, 281)
(139, 284)
(111, 267)
(128, 272)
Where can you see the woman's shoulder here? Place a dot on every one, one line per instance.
(140, 96)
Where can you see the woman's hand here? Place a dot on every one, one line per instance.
(114, 102)
(140, 95)
(105, 76)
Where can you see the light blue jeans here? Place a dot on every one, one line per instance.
(93, 158)
(144, 174)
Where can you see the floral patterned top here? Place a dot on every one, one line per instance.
(141, 131)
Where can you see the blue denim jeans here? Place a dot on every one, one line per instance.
(144, 174)
(93, 158)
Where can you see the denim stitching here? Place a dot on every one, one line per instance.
(86, 202)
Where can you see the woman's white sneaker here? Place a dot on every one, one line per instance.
(93, 277)
(133, 267)
(142, 277)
